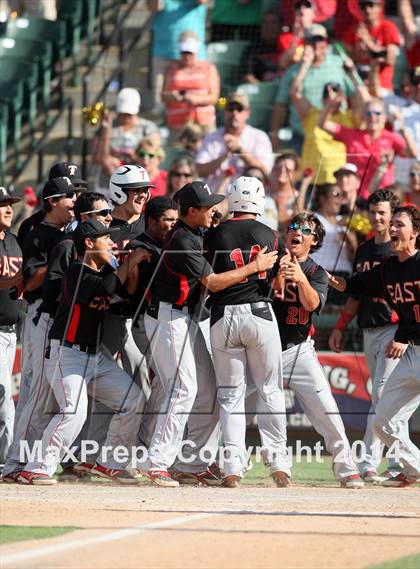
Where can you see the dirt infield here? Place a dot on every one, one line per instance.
(130, 527)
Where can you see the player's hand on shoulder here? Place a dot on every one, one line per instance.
(335, 340)
(265, 260)
(395, 350)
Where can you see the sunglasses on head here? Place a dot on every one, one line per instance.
(181, 174)
(305, 229)
(101, 212)
(70, 194)
(235, 107)
(143, 154)
(373, 113)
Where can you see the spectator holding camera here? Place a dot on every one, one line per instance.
(290, 43)
(374, 39)
(373, 146)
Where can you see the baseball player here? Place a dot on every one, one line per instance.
(379, 324)
(244, 334)
(59, 197)
(129, 190)
(169, 325)
(10, 278)
(58, 170)
(397, 281)
(305, 292)
(75, 364)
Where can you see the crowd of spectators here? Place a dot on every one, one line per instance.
(346, 76)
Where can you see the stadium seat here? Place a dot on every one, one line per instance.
(11, 93)
(227, 56)
(261, 97)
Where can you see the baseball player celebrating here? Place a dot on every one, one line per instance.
(59, 197)
(244, 334)
(10, 278)
(169, 324)
(397, 281)
(76, 366)
(379, 324)
(305, 292)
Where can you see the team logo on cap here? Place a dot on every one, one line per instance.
(67, 180)
(72, 169)
(205, 186)
(3, 193)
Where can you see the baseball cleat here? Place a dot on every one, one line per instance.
(69, 474)
(36, 478)
(83, 468)
(399, 481)
(12, 477)
(231, 481)
(281, 479)
(114, 474)
(186, 478)
(162, 478)
(353, 482)
(205, 478)
(371, 476)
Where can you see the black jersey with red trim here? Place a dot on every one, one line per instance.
(373, 312)
(85, 298)
(63, 254)
(398, 282)
(29, 225)
(293, 319)
(233, 244)
(36, 252)
(181, 265)
(127, 232)
(10, 263)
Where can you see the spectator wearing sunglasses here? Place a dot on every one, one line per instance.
(150, 156)
(325, 67)
(181, 171)
(374, 39)
(413, 195)
(371, 146)
(236, 145)
(340, 244)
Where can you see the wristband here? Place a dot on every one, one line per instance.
(344, 319)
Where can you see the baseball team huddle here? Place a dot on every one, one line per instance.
(203, 313)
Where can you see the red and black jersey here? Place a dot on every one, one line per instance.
(85, 298)
(10, 263)
(127, 232)
(36, 252)
(373, 312)
(397, 282)
(293, 319)
(29, 225)
(181, 265)
(63, 254)
(232, 245)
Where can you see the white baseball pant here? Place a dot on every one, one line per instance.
(242, 341)
(74, 374)
(400, 398)
(375, 344)
(7, 405)
(303, 373)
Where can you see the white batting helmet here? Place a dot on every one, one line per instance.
(126, 178)
(247, 195)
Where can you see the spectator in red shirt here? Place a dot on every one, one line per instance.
(410, 32)
(150, 155)
(371, 146)
(374, 39)
(290, 43)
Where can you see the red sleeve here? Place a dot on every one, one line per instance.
(390, 33)
(344, 133)
(284, 41)
(398, 143)
(350, 36)
(413, 55)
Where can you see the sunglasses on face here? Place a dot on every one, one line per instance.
(235, 107)
(70, 194)
(181, 174)
(316, 39)
(373, 113)
(415, 174)
(144, 154)
(305, 229)
(101, 212)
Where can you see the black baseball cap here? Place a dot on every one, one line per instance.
(91, 228)
(197, 194)
(57, 187)
(69, 169)
(6, 197)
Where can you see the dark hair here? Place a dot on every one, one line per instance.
(85, 203)
(180, 162)
(414, 214)
(384, 196)
(47, 206)
(288, 154)
(156, 207)
(336, 87)
(306, 217)
(321, 191)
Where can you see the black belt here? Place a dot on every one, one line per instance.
(261, 309)
(7, 328)
(153, 307)
(415, 342)
(81, 347)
